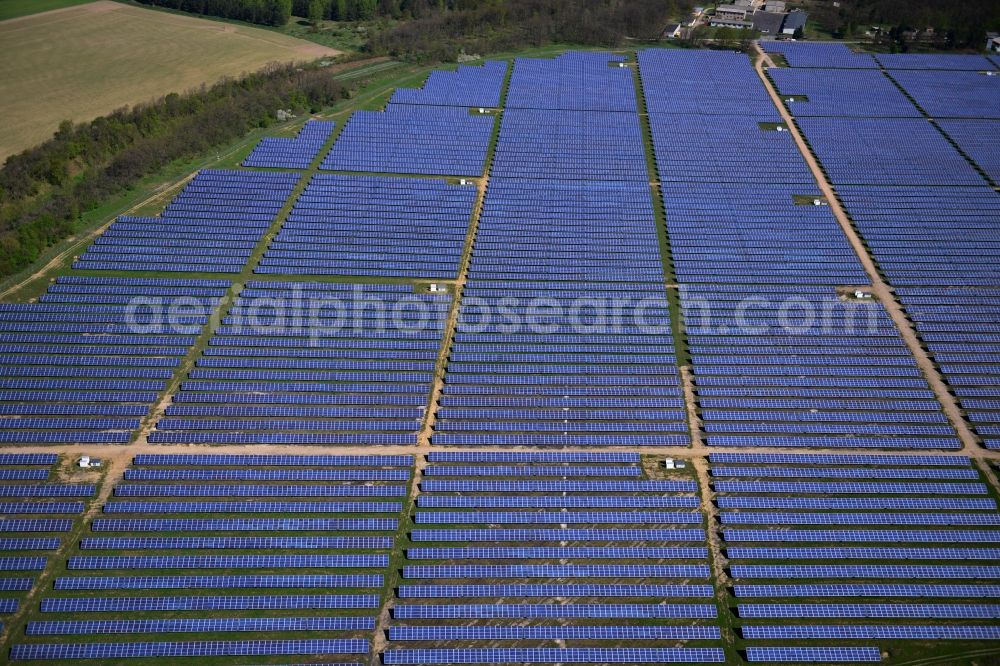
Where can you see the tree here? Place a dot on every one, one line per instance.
(365, 9)
(280, 11)
(316, 9)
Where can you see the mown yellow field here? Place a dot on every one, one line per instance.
(82, 62)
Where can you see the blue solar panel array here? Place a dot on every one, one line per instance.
(954, 94)
(886, 151)
(47, 459)
(876, 632)
(354, 557)
(923, 235)
(731, 184)
(187, 649)
(627, 655)
(82, 370)
(412, 139)
(704, 83)
(739, 233)
(255, 624)
(823, 655)
(371, 225)
(26, 542)
(448, 583)
(852, 459)
(364, 355)
(212, 226)
(945, 61)
(860, 93)
(292, 153)
(469, 86)
(979, 139)
(569, 215)
(873, 567)
(268, 460)
(769, 352)
(568, 144)
(570, 81)
(959, 327)
(925, 212)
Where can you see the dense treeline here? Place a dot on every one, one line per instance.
(345, 10)
(354, 10)
(264, 12)
(44, 190)
(955, 24)
(501, 25)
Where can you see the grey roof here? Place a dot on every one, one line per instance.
(768, 22)
(796, 19)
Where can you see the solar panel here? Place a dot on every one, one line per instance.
(435, 633)
(558, 535)
(267, 475)
(510, 471)
(199, 582)
(36, 525)
(252, 507)
(434, 485)
(29, 544)
(847, 473)
(844, 488)
(190, 625)
(838, 459)
(231, 460)
(884, 632)
(549, 591)
(555, 553)
(855, 503)
(186, 649)
(235, 490)
(254, 543)
(15, 584)
(495, 611)
(863, 571)
(19, 563)
(28, 459)
(562, 517)
(539, 501)
(937, 611)
(882, 518)
(869, 590)
(47, 490)
(814, 654)
(531, 457)
(897, 536)
(554, 655)
(557, 571)
(736, 552)
(225, 561)
(241, 524)
(228, 602)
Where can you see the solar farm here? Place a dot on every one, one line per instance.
(660, 356)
